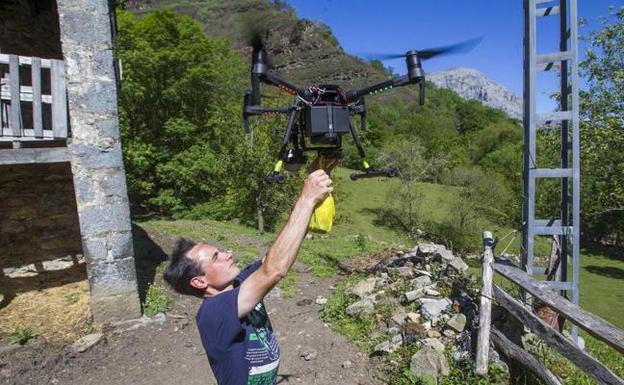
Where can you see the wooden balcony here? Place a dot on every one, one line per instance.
(33, 110)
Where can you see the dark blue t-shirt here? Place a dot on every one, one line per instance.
(240, 351)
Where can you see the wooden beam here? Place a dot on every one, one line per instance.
(59, 99)
(594, 325)
(34, 155)
(4, 59)
(485, 308)
(558, 341)
(14, 86)
(36, 97)
(521, 356)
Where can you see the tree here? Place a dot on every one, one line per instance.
(185, 151)
(602, 133)
(413, 166)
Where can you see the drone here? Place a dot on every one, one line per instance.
(321, 115)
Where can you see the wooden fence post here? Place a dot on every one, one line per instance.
(485, 308)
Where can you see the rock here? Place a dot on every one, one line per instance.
(405, 271)
(434, 343)
(428, 249)
(420, 282)
(86, 342)
(5, 373)
(309, 355)
(432, 292)
(432, 333)
(347, 364)
(320, 300)
(381, 348)
(379, 296)
(428, 361)
(388, 346)
(364, 287)
(443, 256)
(161, 318)
(457, 323)
(433, 308)
(413, 317)
(458, 264)
(363, 306)
(397, 320)
(393, 330)
(449, 333)
(413, 295)
(472, 84)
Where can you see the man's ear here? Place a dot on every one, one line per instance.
(199, 282)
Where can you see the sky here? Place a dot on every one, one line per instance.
(396, 26)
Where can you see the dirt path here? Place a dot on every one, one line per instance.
(171, 351)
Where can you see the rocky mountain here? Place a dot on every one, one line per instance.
(472, 84)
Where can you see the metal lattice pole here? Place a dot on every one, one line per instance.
(567, 226)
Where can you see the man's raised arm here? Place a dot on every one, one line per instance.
(283, 252)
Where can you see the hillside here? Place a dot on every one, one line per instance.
(303, 51)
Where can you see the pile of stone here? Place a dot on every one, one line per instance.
(425, 290)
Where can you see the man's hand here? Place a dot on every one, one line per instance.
(316, 187)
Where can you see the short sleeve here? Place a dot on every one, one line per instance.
(218, 320)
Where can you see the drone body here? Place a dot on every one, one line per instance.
(321, 115)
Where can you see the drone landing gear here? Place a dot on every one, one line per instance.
(389, 172)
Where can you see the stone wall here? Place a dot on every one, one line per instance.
(96, 158)
(38, 216)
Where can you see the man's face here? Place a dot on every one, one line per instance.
(218, 265)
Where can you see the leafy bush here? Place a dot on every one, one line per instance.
(156, 301)
(21, 335)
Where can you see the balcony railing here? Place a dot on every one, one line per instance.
(33, 102)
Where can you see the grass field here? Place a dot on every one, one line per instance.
(357, 230)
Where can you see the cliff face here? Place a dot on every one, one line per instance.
(472, 84)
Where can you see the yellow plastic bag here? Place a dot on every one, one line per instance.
(323, 216)
(324, 213)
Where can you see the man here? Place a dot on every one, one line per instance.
(234, 326)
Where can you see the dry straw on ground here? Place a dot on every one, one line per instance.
(59, 314)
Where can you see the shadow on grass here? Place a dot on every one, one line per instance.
(606, 271)
(611, 252)
(148, 255)
(386, 218)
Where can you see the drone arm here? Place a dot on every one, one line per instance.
(399, 81)
(255, 110)
(249, 110)
(274, 80)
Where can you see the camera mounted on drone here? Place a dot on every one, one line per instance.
(321, 115)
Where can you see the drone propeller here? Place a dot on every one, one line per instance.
(255, 31)
(462, 47)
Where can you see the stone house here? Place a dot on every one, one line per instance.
(62, 180)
